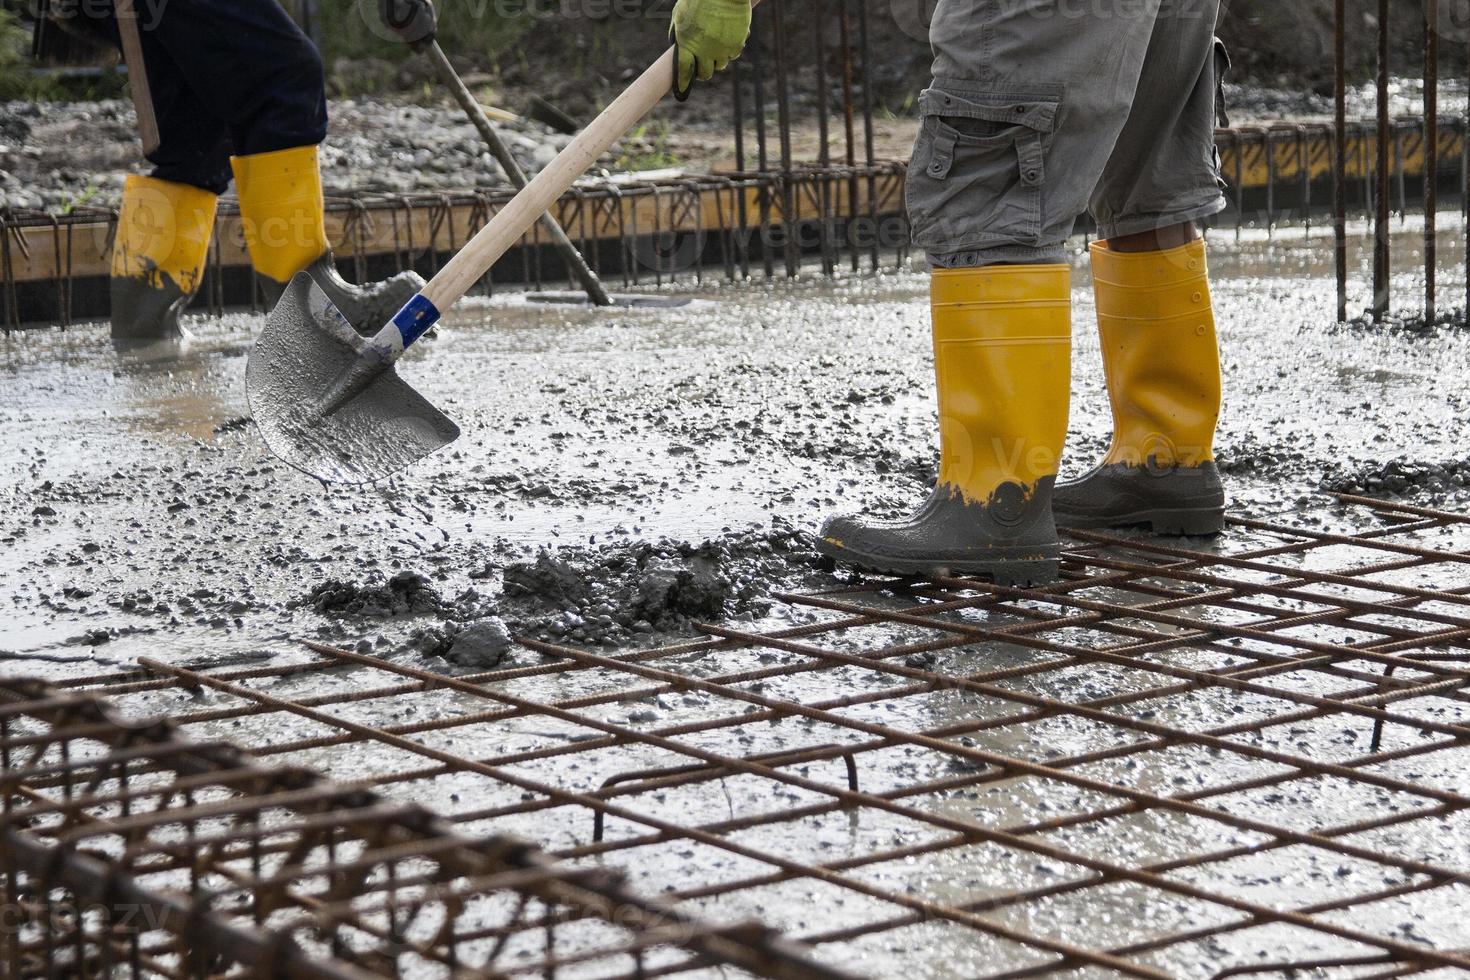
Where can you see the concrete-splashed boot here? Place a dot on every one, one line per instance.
(158, 257)
(1002, 356)
(283, 213)
(1162, 362)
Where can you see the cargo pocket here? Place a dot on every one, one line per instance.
(1222, 68)
(978, 173)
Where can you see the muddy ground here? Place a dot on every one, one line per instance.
(621, 475)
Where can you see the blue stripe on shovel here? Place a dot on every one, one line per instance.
(417, 318)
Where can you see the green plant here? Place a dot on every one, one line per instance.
(658, 157)
(91, 76)
(15, 69)
(82, 199)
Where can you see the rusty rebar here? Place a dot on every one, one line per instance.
(1382, 246)
(402, 859)
(1249, 662)
(1339, 156)
(1431, 155)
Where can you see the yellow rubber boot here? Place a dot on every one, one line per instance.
(1161, 358)
(1002, 356)
(282, 210)
(158, 256)
(283, 214)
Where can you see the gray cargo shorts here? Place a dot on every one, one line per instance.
(1043, 109)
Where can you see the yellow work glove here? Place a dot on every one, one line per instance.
(710, 34)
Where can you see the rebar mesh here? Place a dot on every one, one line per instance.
(129, 850)
(1175, 761)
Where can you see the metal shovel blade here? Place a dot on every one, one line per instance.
(305, 347)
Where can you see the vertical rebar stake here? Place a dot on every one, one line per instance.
(1431, 153)
(742, 242)
(824, 152)
(762, 151)
(1381, 257)
(849, 132)
(783, 122)
(865, 43)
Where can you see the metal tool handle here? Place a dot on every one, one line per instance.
(420, 314)
(578, 266)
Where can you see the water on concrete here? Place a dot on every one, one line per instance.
(621, 473)
(140, 512)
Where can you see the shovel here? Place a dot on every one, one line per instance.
(330, 403)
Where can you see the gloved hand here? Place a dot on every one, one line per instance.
(710, 34)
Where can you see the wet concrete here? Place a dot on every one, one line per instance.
(623, 474)
(620, 474)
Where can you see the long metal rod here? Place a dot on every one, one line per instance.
(575, 263)
(1339, 157)
(848, 130)
(1012, 764)
(865, 48)
(789, 223)
(1431, 156)
(1382, 246)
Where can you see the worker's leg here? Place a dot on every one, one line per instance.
(250, 66)
(253, 68)
(1160, 240)
(158, 256)
(166, 220)
(1156, 321)
(1028, 99)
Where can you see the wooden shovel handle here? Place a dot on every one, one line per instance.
(142, 93)
(526, 208)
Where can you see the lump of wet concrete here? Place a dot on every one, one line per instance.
(683, 587)
(659, 583)
(546, 578)
(611, 594)
(480, 645)
(1433, 481)
(406, 593)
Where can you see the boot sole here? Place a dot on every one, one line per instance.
(1184, 522)
(1027, 568)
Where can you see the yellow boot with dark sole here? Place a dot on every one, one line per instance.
(283, 213)
(158, 257)
(1161, 358)
(1002, 354)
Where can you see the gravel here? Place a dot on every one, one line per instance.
(68, 154)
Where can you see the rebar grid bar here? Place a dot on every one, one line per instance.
(1174, 761)
(128, 849)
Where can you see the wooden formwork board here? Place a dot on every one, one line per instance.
(1255, 159)
(1251, 158)
(411, 226)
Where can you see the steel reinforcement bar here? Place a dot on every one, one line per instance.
(128, 849)
(1259, 754)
